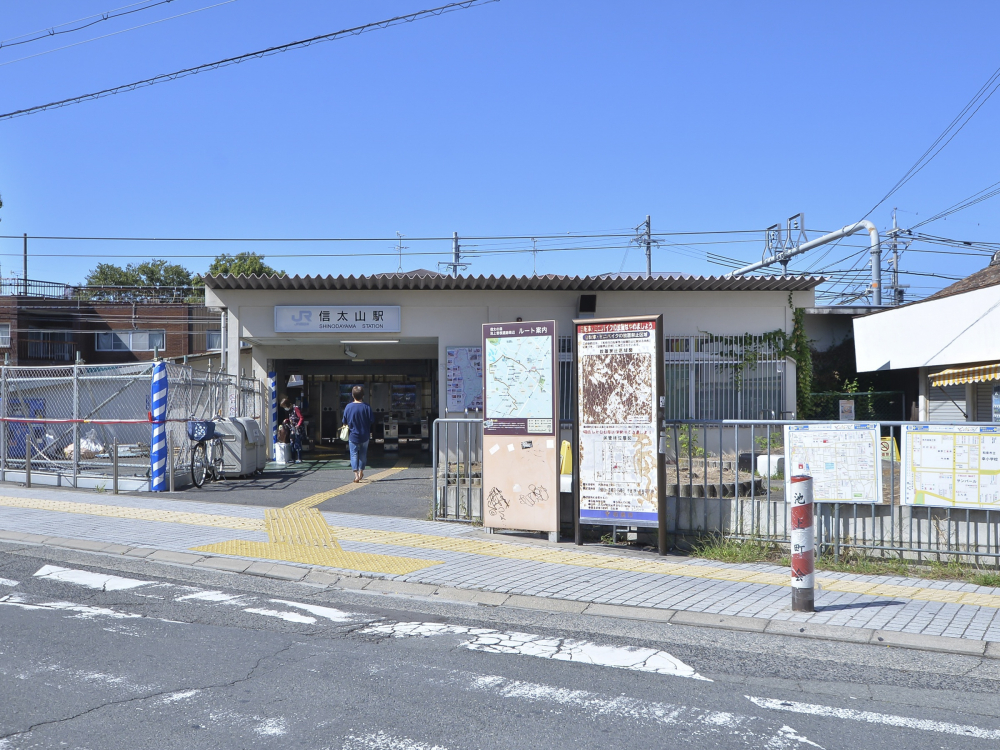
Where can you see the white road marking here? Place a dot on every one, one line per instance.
(215, 597)
(289, 616)
(82, 611)
(90, 580)
(383, 741)
(868, 717)
(687, 722)
(337, 615)
(7, 582)
(179, 696)
(562, 649)
(271, 727)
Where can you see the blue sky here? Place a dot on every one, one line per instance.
(513, 118)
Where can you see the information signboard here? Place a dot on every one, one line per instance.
(951, 466)
(520, 454)
(337, 318)
(844, 460)
(620, 461)
(464, 374)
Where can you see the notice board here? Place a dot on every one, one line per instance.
(843, 459)
(520, 451)
(951, 466)
(621, 474)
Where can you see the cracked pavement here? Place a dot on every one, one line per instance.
(193, 658)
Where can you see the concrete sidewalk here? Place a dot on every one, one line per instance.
(379, 553)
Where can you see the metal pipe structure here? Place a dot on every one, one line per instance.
(876, 253)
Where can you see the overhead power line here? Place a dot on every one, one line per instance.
(984, 194)
(355, 31)
(116, 33)
(80, 24)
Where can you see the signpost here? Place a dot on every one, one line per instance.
(520, 451)
(619, 475)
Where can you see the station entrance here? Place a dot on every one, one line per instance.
(403, 394)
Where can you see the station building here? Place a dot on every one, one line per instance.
(392, 333)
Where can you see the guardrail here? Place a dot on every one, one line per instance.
(457, 460)
(727, 478)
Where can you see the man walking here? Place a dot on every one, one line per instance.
(359, 418)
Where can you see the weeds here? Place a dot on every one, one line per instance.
(851, 560)
(731, 550)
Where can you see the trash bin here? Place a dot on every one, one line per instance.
(256, 442)
(239, 457)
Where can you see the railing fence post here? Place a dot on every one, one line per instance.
(114, 467)
(76, 424)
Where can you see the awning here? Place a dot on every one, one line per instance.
(962, 375)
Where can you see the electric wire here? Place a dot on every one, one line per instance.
(301, 44)
(50, 31)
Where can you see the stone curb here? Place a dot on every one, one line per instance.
(325, 578)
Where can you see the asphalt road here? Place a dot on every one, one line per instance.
(159, 656)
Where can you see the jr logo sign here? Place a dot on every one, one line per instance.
(303, 318)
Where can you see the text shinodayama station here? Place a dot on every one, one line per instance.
(413, 340)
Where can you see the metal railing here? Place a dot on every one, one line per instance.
(457, 461)
(727, 478)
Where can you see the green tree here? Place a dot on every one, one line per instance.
(155, 280)
(242, 264)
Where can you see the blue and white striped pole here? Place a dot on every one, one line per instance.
(158, 449)
(272, 378)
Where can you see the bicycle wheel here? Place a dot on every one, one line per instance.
(199, 464)
(218, 460)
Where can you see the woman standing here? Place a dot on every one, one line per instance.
(359, 418)
(294, 422)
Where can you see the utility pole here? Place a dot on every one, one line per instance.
(25, 264)
(649, 248)
(456, 257)
(534, 258)
(897, 288)
(400, 247)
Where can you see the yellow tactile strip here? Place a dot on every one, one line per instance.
(278, 549)
(313, 500)
(139, 514)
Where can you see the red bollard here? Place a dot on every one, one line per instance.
(803, 538)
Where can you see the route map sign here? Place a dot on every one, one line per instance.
(951, 466)
(843, 459)
(464, 375)
(621, 469)
(518, 381)
(520, 450)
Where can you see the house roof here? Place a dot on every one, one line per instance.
(429, 280)
(989, 276)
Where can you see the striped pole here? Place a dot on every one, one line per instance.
(272, 378)
(158, 449)
(803, 538)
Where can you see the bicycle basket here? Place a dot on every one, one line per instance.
(201, 430)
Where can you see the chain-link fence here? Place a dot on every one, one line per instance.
(80, 421)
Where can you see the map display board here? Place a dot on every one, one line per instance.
(520, 446)
(519, 383)
(619, 381)
(843, 459)
(951, 466)
(464, 375)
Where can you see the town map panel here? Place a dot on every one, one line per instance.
(464, 373)
(952, 467)
(517, 378)
(844, 460)
(618, 433)
(520, 451)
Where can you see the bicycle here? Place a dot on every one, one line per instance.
(207, 460)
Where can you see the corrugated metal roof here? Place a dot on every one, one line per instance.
(436, 281)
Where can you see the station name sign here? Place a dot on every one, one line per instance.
(337, 318)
